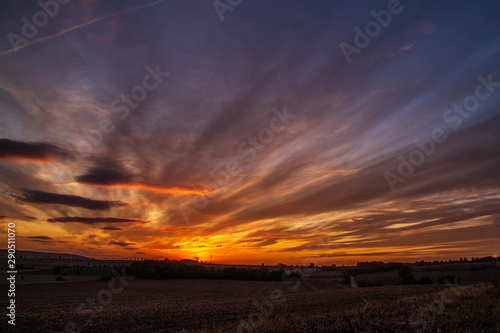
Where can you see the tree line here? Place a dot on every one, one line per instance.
(187, 270)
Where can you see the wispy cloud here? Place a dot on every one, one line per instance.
(122, 244)
(116, 178)
(76, 27)
(93, 220)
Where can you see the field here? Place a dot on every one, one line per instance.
(309, 305)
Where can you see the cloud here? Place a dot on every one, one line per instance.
(123, 244)
(322, 175)
(114, 177)
(22, 151)
(427, 28)
(405, 47)
(496, 221)
(40, 237)
(39, 197)
(105, 177)
(76, 27)
(188, 189)
(93, 220)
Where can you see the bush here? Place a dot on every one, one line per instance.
(406, 275)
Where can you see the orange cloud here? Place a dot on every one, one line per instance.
(191, 189)
(114, 177)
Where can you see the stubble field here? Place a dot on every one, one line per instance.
(313, 305)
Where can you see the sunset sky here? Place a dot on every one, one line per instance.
(178, 129)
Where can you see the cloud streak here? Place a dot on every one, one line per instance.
(101, 177)
(11, 150)
(111, 229)
(76, 27)
(93, 220)
(122, 244)
(40, 197)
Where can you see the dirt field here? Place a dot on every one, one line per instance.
(315, 305)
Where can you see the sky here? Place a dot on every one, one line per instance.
(250, 131)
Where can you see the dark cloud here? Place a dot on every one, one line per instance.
(39, 197)
(93, 220)
(36, 151)
(40, 237)
(112, 228)
(114, 176)
(122, 244)
(105, 177)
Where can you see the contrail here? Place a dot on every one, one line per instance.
(41, 39)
